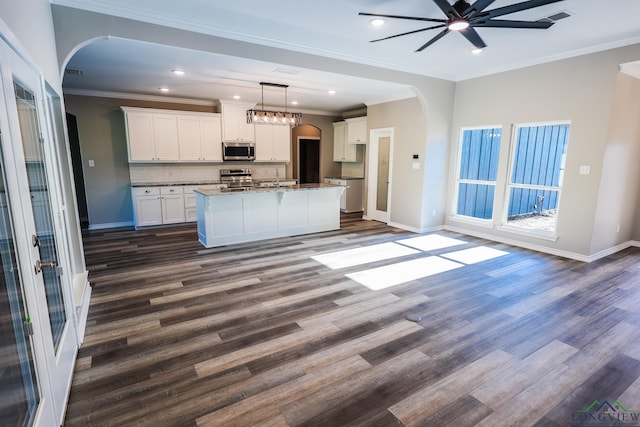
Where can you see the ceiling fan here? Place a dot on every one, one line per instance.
(463, 17)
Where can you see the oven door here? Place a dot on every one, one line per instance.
(238, 151)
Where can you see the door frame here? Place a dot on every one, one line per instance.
(54, 367)
(372, 171)
(315, 138)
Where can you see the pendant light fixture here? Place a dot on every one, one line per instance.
(271, 117)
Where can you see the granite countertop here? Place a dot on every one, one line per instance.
(297, 187)
(169, 184)
(344, 177)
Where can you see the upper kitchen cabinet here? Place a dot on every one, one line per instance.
(234, 122)
(273, 143)
(200, 137)
(342, 151)
(357, 130)
(151, 137)
(169, 136)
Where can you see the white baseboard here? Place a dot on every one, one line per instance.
(544, 249)
(110, 225)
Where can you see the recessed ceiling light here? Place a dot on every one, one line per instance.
(377, 22)
(294, 102)
(178, 72)
(331, 92)
(236, 96)
(163, 89)
(477, 51)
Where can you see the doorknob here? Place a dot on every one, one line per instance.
(40, 265)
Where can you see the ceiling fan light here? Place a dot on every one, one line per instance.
(477, 51)
(458, 24)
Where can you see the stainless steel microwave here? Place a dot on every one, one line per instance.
(238, 151)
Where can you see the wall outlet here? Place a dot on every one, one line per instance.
(92, 163)
(585, 170)
(618, 228)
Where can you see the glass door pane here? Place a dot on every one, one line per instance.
(41, 204)
(383, 174)
(18, 389)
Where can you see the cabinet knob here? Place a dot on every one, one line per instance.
(147, 191)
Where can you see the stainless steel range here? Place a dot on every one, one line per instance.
(236, 178)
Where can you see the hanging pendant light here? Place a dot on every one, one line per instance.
(283, 118)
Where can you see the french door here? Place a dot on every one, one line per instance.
(30, 168)
(379, 176)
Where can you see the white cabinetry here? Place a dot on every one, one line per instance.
(158, 205)
(200, 137)
(190, 213)
(357, 130)
(172, 136)
(273, 143)
(172, 205)
(342, 151)
(234, 123)
(147, 206)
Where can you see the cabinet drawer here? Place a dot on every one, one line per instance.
(189, 201)
(190, 214)
(146, 191)
(170, 190)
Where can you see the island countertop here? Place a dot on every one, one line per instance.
(248, 190)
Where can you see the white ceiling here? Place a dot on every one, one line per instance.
(333, 29)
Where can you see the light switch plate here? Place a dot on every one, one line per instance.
(92, 163)
(585, 170)
(415, 165)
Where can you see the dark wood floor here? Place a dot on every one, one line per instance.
(261, 334)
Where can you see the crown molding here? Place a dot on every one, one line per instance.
(138, 97)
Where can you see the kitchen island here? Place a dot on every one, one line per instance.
(227, 216)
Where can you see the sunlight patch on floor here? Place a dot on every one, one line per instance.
(364, 255)
(402, 272)
(431, 242)
(475, 255)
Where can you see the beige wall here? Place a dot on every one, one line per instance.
(619, 192)
(581, 90)
(31, 24)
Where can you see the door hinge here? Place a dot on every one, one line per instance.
(41, 139)
(59, 271)
(28, 326)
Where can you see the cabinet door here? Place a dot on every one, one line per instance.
(281, 147)
(234, 123)
(189, 138)
(172, 208)
(264, 142)
(148, 211)
(357, 130)
(140, 136)
(342, 152)
(211, 139)
(165, 132)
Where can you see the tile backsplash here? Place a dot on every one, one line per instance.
(195, 173)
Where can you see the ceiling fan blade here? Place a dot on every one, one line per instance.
(473, 36)
(438, 36)
(517, 7)
(408, 32)
(478, 6)
(413, 18)
(500, 23)
(447, 9)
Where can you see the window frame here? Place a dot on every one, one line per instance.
(509, 184)
(488, 222)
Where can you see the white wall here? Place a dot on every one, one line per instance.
(31, 24)
(579, 89)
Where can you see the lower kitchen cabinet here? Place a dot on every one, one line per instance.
(158, 205)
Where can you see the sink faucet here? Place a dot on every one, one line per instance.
(277, 178)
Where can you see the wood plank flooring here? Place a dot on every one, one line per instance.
(262, 334)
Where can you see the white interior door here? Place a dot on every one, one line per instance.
(379, 176)
(28, 153)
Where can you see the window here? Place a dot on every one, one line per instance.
(478, 152)
(537, 170)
